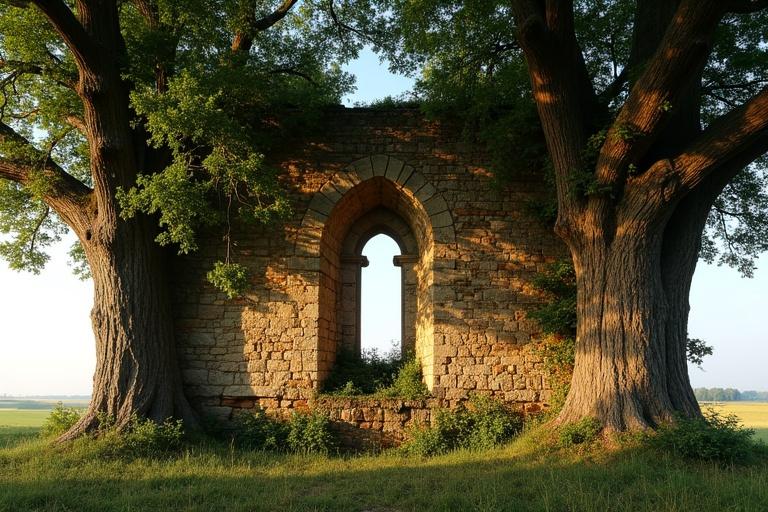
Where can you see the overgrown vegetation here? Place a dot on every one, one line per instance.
(388, 375)
(558, 353)
(713, 438)
(582, 432)
(140, 438)
(303, 432)
(481, 424)
(557, 319)
(59, 420)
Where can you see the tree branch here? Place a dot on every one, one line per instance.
(72, 31)
(31, 68)
(731, 142)
(563, 92)
(293, 72)
(63, 192)
(244, 38)
(683, 49)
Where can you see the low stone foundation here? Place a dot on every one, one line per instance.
(361, 422)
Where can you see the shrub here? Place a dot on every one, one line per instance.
(559, 354)
(147, 438)
(310, 433)
(714, 438)
(256, 430)
(388, 375)
(60, 420)
(584, 431)
(558, 316)
(484, 423)
(365, 373)
(407, 383)
(141, 437)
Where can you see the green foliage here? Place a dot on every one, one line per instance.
(230, 278)
(304, 432)
(28, 227)
(582, 432)
(78, 262)
(482, 424)
(366, 372)
(714, 438)
(559, 355)
(204, 115)
(60, 420)
(696, 350)
(255, 430)
(386, 375)
(408, 382)
(141, 437)
(310, 432)
(558, 316)
(626, 132)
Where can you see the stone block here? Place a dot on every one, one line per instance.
(379, 164)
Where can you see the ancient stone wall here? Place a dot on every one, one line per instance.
(469, 249)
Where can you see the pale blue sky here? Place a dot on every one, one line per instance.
(46, 344)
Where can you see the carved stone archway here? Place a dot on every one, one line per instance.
(374, 195)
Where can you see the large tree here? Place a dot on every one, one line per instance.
(651, 112)
(133, 123)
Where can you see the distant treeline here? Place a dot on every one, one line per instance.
(729, 395)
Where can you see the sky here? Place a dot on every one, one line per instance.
(47, 347)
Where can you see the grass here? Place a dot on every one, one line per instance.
(35, 475)
(23, 418)
(520, 477)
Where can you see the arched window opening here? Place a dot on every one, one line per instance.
(381, 299)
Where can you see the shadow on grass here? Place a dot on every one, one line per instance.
(13, 436)
(34, 476)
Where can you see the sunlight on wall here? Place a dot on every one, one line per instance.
(380, 296)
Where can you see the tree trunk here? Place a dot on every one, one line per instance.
(137, 370)
(630, 371)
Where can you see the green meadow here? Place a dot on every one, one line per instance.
(521, 476)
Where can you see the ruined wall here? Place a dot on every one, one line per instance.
(477, 251)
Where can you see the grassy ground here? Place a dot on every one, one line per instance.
(518, 477)
(35, 475)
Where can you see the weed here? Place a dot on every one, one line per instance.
(59, 421)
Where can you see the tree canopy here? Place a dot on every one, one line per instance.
(135, 124)
(467, 60)
(201, 75)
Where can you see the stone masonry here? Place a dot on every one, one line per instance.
(468, 253)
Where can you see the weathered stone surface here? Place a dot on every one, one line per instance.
(473, 252)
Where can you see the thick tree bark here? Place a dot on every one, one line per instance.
(136, 364)
(635, 234)
(136, 368)
(620, 371)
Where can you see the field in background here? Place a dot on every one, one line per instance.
(21, 418)
(753, 415)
